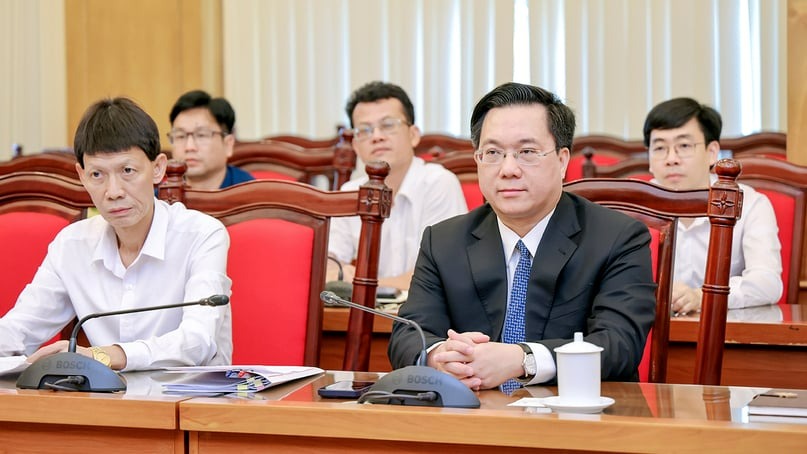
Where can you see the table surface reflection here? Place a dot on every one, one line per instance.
(645, 417)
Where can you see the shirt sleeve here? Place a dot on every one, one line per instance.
(761, 280)
(204, 332)
(41, 311)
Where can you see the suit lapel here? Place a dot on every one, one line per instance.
(553, 253)
(489, 272)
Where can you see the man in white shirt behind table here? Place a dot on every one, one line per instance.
(423, 194)
(139, 252)
(682, 140)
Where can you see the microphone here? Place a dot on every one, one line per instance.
(419, 385)
(71, 371)
(341, 288)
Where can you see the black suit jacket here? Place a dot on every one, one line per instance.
(591, 273)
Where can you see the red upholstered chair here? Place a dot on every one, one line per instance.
(56, 162)
(277, 160)
(277, 260)
(660, 209)
(34, 206)
(637, 168)
(464, 166)
(435, 146)
(785, 184)
(599, 150)
(762, 144)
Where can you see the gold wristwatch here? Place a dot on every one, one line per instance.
(100, 355)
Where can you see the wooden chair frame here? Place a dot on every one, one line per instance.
(49, 193)
(56, 162)
(790, 179)
(303, 204)
(660, 208)
(434, 146)
(336, 162)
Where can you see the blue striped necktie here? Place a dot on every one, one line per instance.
(514, 324)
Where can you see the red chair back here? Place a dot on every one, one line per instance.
(277, 259)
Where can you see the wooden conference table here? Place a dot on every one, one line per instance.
(765, 346)
(293, 418)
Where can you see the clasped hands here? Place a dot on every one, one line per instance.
(475, 361)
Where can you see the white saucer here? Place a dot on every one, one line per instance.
(555, 403)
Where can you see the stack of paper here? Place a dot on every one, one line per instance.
(779, 405)
(232, 379)
(12, 364)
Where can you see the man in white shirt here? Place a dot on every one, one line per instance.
(423, 194)
(140, 252)
(682, 137)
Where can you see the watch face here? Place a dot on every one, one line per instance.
(529, 365)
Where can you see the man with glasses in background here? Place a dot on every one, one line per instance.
(682, 137)
(496, 290)
(202, 136)
(383, 122)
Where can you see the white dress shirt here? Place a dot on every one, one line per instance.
(184, 258)
(428, 194)
(543, 357)
(756, 263)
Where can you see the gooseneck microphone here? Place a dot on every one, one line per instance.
(71, 371)
(419, 385)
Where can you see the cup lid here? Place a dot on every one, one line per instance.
(578, 346)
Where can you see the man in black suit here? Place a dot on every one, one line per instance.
(591, 272)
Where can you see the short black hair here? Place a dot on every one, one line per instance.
(560, 117)
(113, 125)
(377, 91)
(220, 108)
(678, 111)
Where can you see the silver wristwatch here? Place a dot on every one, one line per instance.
(528, 364)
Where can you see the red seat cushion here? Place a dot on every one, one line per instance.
(574, 171)
(270, 265)
(270, 175)
(472, 193)
(24, 237)
(644, 365)
(784, 206)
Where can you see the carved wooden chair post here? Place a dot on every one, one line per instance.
(725, 207)
(344, 158)
(375, 202)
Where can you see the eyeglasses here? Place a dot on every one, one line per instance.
(526, 156)
(684, 150)
(201, 137)
(387, 126)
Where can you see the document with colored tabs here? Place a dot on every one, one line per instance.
(234, 379)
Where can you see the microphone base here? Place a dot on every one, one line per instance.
(418, 379)
(50, 369)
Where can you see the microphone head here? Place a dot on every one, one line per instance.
(216, 300)
(342, 289)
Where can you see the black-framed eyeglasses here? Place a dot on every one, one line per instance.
(387, 126)
(525, 156)
(684, 150)
(202, 136)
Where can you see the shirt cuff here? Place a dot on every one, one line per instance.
(137, 355)
(544, 362)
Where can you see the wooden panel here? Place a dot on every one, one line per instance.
(796, 81)
(645, 418)
(48, 421)
(152, 52)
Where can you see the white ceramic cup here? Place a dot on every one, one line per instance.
(579, 372)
